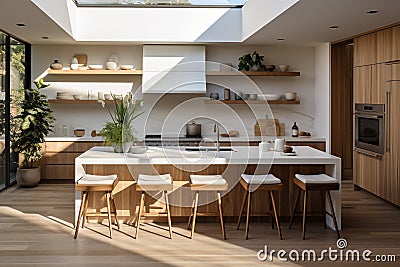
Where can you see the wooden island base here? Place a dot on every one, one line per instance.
(127, 198)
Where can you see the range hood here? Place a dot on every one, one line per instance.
(173, 69)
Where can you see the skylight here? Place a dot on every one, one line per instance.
(162, 3)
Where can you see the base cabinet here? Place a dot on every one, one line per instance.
(59, 159)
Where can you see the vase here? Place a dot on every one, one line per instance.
(56, 65)
(214, 96)
(28, 177)
(122, 148)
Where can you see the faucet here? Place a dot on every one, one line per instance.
(216, 130)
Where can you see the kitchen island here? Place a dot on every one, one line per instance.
(231, 164)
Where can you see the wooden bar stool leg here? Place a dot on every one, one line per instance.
(221, 216)
(139, 215)
(115, 210)
(294, 208)
(194, 213)
(109, 213)
(77, 226)
(272, 212)
(85, 207)
(304, 214)
(271, 194)
(333, 214)
(191, 215)
(241, 209)
(323, 207)
(248, 214)
(168, 214)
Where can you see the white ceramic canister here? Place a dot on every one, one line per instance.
(280, 144)
(265, 146)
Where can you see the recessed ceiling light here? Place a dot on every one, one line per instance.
(334, 27)
(21, 25)
(281, 39)
(45, 37)
(372, 11)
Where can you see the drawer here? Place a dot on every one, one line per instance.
(84, 146)
(60, 158)
(60, 172)
(59, 146)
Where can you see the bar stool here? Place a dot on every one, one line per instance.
(317, 182)
(207, 183)
(155, 183)
(96, 183)
(262, 182)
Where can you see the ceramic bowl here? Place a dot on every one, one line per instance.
(284, 68)
(110, 65)
(270, 97)
(107, 97)
(126, 67)
(252, 96)
(79, 132)
(291, 96)
(77, 97)
(95, 67)
(138, 149)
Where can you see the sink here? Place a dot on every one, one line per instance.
(209, 149)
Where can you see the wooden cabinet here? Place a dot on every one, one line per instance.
(384, 45)
(365, 49)
(59, 158)
(396, 43)
(362, 84)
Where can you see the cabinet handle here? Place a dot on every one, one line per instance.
(387, 122)
(368, 154)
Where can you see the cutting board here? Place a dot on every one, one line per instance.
(82, 59)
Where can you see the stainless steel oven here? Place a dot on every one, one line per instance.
(369, 126)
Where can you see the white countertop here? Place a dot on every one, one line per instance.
(175, 155)
(250, 138)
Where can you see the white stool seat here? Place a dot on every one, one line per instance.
(316, 179)
(89, 179)
(260, 179)
(207, 179)
(144, 179)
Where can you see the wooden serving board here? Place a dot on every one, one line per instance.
(82, 59)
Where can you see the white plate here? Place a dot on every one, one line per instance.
(289, 154)
(126, 67)
(95, 67)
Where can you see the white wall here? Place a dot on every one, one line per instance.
(171, 112)
(323, 92)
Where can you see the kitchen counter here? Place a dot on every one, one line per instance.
(73, 139)
(252, 138)
(231, 164)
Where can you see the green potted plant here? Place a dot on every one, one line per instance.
(249, 62)
(119, 132)
(33, 124)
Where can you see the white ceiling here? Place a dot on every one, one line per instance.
(306, 23)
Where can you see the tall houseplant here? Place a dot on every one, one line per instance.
(33, 124)
(119, 132)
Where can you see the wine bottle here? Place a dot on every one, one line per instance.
(295, 130)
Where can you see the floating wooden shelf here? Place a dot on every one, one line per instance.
(230, 102)
(95, 72)
(73, 101)
(251, 73)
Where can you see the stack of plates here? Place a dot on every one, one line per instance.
(63, 96)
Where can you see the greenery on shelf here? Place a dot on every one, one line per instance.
(249, 61)
(119, 130)
(33, 124)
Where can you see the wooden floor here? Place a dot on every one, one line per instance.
(36, 230)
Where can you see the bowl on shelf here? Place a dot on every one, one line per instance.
(291, 96)
(284, 68)
(252, 96)
(95, 67)
(108, 97)
(77, 97)
(138, 149)
(79, 132)
(269, 97)
(126, 67)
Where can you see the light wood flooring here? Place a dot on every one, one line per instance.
(36, 230)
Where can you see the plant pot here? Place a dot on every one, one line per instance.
(122, 148)
(255, 68)
(28, 177)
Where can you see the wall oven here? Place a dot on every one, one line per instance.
(369, 134)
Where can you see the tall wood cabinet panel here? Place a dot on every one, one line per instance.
(384, 52)
(396, 43)
(362, 84)
(365, 49)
